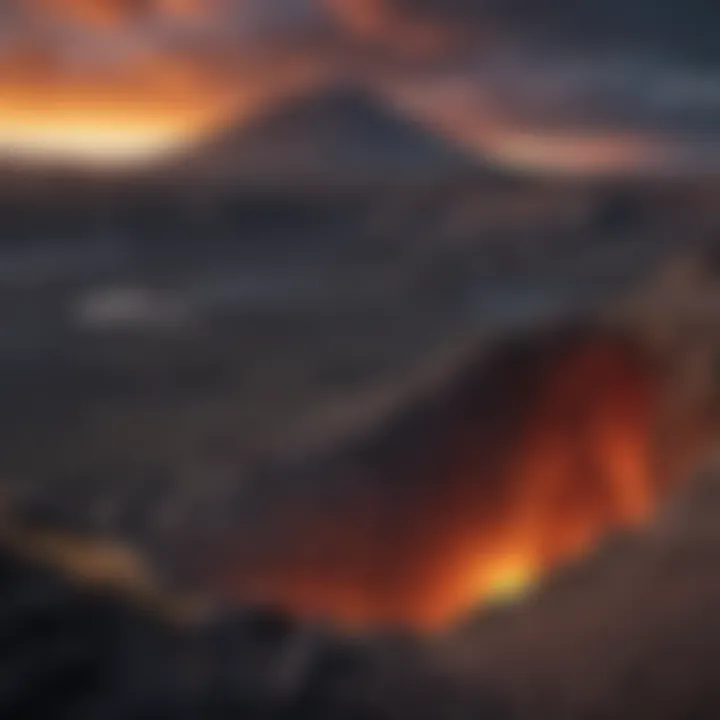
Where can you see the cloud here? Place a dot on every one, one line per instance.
(383, 24)
(637, 30)
(607, 67)
(610, 66)
(93, 13)
(663, 28)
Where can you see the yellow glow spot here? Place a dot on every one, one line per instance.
(508, 580)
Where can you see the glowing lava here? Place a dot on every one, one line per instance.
(476, 495)
(506, 579)
(583, 467)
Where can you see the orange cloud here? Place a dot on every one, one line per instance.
(383, 22)
(183, 8)
(97, 13)
(122, 14)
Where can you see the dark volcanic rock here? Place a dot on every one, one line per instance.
(71, 653)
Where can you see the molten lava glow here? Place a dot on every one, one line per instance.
(511, 485)
(583, 469)
(506, 579)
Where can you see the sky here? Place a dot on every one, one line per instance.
(547, 82)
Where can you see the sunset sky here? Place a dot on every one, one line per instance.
(543, 82)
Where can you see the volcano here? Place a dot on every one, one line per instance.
(338, 134)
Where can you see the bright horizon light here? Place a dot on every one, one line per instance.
(88, 144)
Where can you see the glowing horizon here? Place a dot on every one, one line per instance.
(80, 128)
(118, 128)
(86, 143)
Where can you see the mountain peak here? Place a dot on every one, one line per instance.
(339, 133)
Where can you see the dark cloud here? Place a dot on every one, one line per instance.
(664, 28)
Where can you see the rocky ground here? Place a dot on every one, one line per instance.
(629, 632)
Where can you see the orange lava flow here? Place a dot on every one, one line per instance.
(498, 490)
(583, 468)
